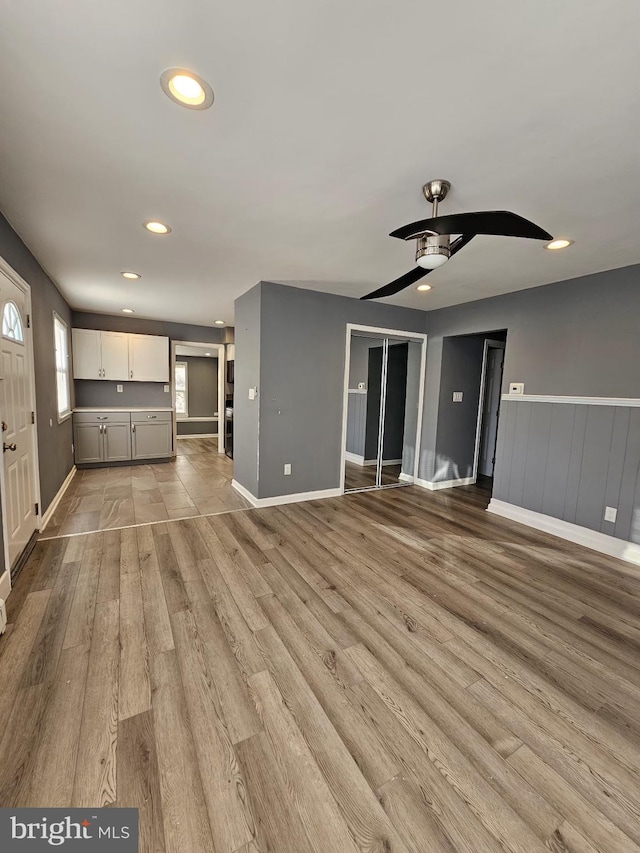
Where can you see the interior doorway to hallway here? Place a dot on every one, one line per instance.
(384, 380)
(489, 407)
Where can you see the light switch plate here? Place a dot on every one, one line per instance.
(516, 387)
(287, 469)
(119, 389)
(457, 396)
(252, 393)
(610, 513)
(166, 389)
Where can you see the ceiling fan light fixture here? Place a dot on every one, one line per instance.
(432, 251)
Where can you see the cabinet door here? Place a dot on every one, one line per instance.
(115, 356)
(87, 443)
(151, 441)
(148, 358)
(117, 442)
(87, 362)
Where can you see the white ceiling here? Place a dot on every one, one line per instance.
(329, 117)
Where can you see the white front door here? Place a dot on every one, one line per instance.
(16, 406)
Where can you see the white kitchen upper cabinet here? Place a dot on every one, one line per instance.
(148, 358)
(115, 356)
(87, 359)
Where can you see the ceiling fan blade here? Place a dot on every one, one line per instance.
(398, 284)
(500, 223)
(415, 274)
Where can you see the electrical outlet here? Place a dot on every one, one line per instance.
(166, 389)
(287, 469)
(516, 387)
(610, 513)
(119, 389)
(457, 396)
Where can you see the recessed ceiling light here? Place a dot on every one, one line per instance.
(127, 311)
(219, 322)
(559, 244)
(423, 287)
(131, 275)
(156, 227)
(186, 88)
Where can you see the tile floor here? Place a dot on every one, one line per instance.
(196, 482)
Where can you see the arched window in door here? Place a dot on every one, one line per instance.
(12, 323)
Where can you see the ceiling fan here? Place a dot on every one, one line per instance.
(433, 236)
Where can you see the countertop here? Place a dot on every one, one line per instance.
(124, 409)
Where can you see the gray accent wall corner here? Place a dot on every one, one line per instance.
(246, 412)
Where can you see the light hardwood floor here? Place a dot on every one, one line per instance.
(383, 672)
(196, 482)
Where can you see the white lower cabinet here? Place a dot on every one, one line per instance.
(103, 437)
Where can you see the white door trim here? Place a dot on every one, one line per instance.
(222, 375)
(22, 285)
(483, 386)
(418, 337)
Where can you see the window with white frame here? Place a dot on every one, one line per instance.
(182, 397)
(63, 389)
(12, 323)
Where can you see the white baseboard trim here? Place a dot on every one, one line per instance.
(5, 585)
(436, 485)
(279, 500)
(46, 518)
(593, 539)
(406, 478)
(199, 435)
(360, 460)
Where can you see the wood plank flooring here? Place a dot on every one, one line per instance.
(196, 482)
(386, 672)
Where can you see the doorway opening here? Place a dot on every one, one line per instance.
(383, 398)
(489, 409)
(198, 385)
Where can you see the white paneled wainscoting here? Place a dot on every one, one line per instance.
(563, 462)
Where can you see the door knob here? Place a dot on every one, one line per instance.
(6, 446)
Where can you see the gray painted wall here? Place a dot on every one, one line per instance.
(294, 341)
(139, 326)
(202, 385)
(576, 338)
(96, 392)
(246, 423)
(411, 408)
(356, 422)
(198, 427)
(202, 394)
(570, 461)
(55, 441)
